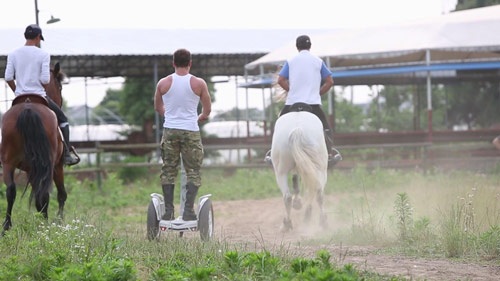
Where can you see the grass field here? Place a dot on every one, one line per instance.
(450, 215)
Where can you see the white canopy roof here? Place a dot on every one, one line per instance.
(469, 35)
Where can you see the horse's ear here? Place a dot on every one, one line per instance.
(57, 68)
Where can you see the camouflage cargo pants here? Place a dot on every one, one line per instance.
(177, 142)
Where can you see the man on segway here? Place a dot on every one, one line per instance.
(176, 98)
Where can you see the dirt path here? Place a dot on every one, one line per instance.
(256, 223)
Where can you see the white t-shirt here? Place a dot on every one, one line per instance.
(30, 67)
(181, 105)
(304, 72)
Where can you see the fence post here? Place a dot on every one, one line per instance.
(98, 165)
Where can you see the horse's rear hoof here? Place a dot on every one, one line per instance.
(296, 203)
(323, 221)
(286, 226)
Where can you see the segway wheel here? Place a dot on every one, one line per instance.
(153, 223)
(206, 221)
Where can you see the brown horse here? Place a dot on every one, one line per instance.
(32, 142)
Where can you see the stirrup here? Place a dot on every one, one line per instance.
(334, 159)
(73, 161)
(267, 158)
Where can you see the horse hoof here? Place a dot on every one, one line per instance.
(297, 203)
(323, 221)
(286, 226)
(307, 215)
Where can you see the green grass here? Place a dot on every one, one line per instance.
(454, 214)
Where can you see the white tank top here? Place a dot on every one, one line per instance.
(181, 105)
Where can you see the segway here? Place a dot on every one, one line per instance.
(156, 210)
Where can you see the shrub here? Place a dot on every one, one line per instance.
(404, 216)
(130, 174)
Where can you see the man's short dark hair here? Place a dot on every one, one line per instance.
(182, 57)
(303, 42)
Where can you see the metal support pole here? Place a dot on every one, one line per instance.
(263, 102)
(247, 117)
(157, 115)
(183, 187)
(36, 12)
(331, 101)
(429, 95)
(87, 110)
(98, 165)
(237, 118)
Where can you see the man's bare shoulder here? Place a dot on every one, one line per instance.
(164, 84)
(197, 84)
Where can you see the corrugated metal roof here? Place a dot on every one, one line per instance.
(152, 41)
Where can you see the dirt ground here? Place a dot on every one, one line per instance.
(256, 223)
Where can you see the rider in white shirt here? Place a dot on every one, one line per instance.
(28, 72)
(305, 77)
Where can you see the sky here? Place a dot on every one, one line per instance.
(209, 14)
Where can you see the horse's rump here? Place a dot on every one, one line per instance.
(37, 150)
(298, 142)
(298, 146)
(306, 158)
(34, 98)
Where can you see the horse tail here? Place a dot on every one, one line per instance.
(37, 152)
(306, 160)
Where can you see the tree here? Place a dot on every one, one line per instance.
(470, 4)
(134, 101)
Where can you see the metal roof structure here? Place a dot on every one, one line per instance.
(134, 52)
(463, 45)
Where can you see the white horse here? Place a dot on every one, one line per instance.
(298, 147)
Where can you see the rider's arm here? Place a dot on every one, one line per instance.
(12, 85)
(326, 75)
(283, 78)
(9, 74)
(45, 70)
(327, 84)
(206, 102)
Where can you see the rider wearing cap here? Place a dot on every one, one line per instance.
(29, 66)
(305, 77)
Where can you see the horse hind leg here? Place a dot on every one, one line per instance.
(8, 178)
(322, 216)
(287, 222)
(282, 180)
(296, 201)
(61, 191)
(42, 204)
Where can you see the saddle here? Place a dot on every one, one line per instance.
(300, 106)
(34, 98)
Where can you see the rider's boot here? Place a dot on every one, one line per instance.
(192, 191)
(68, 159)
(168, 198)
(333, 155)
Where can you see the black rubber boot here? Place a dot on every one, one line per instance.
(192, 191)
(68, 159)
(168, 198)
